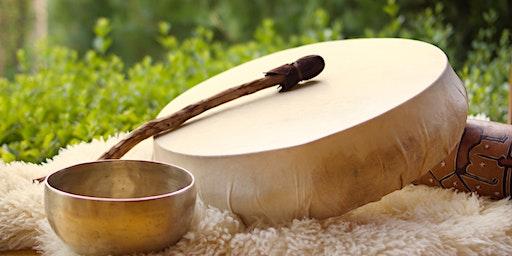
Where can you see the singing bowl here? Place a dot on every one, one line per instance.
(120, 206)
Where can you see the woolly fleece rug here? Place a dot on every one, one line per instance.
(416, 220)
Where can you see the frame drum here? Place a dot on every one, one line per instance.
(381, 114)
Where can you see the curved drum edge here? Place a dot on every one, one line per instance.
(335, 174)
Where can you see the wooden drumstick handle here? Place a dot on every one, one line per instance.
(169, 123)
(287, 76)
(481, 162)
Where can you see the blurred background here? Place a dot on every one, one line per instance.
(77, 70)
(135, 22)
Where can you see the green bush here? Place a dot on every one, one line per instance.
(58, 97)
(235, 20)
(486, 69)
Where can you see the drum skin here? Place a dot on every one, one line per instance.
(381, 114)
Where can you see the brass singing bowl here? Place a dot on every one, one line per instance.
(120, 206)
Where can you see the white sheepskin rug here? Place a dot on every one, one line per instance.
(416, 220)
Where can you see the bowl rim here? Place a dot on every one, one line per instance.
(130, 199)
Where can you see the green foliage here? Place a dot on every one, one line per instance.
(102, 29)
(61, 97)
(429, 25)
(486, 69)
(134, 22)
(16, 17)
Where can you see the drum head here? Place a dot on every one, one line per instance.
(362, 79)
(381, 113)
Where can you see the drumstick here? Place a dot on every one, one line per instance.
(287, 76)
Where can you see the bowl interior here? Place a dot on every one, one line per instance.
(120, 179)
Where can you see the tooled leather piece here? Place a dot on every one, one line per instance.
(481, 162)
